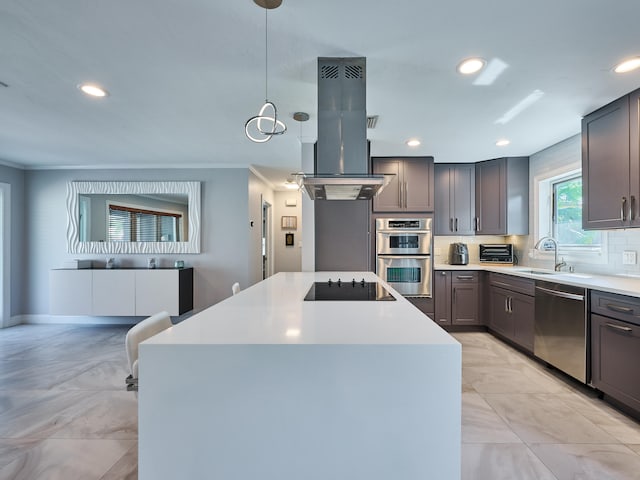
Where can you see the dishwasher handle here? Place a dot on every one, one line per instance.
(555, 293)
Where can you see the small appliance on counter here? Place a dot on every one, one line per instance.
(458, 254)
(497, 253)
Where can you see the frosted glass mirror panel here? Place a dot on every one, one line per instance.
(133, 217)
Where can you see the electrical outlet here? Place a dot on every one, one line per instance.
(629, 257)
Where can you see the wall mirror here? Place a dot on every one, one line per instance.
(133, 217)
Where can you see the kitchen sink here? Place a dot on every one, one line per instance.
(535, 272)
(574, 275)
(550, 272)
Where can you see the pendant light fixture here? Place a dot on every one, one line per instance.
(265, 125)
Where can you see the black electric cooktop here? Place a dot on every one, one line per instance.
(349, 290)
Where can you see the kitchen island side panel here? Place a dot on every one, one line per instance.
(299, 411)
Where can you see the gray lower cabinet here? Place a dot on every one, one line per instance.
(615, 347)
(457, 297)
(442, 297)
(522, 312)
(502, 196)
(455, 199)
(512, 308)
(411, 187)
(611, 165)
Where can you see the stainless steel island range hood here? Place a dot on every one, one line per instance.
(342, 159)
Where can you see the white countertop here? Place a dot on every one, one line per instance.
(367, 389)
(274, 312)
(624, 285)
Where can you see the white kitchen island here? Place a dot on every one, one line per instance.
(267, 386)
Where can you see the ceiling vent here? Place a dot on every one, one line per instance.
(372, 121)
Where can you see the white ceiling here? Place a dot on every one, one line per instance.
(185, 75)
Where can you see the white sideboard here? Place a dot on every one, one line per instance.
(120, 292)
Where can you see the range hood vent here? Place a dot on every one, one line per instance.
(342, 156)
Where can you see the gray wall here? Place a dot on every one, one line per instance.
(288, 259)
(16, 178)
(225, 244)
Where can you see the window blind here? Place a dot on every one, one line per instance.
(127, 224)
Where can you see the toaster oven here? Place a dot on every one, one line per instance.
(496, 253)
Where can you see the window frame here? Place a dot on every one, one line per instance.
(553, 228)
(543, 221)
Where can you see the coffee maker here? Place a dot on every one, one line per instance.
(458, 254)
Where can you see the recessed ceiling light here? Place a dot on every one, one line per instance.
(413, 142)
(503, 142)
(627, 65)
(471, 65)
(93, 90)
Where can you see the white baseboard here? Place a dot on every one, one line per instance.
(45, 319)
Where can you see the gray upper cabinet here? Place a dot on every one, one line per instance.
(502, 196)
(410, 190)
(455, 186)
(611, 165)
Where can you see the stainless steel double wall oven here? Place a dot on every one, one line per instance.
(403, 254)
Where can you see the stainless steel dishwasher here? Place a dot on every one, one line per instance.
(561, 328)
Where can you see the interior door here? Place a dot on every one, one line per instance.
(267, 257)
(5, 235)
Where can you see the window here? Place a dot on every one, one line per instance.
(128, 224)
(566, 216)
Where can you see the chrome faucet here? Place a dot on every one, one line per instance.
(556, 265)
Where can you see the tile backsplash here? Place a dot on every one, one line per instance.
(441, 246)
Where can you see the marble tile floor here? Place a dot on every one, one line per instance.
(64, 412)
(521, 420)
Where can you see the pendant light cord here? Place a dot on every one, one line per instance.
(266, 60)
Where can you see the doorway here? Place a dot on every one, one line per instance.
(5, 231)
(267, 257)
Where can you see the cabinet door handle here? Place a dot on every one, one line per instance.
(475, 224)
(502, 284)
(622, 205)
(632, 204)
(400, 194)
(443, 273)
(619, 309)
(506, 304)
(619, 327)
(464, 277)
(456, 224)
(406, 194)
(478, 225)
(454, 296)
(451, 224)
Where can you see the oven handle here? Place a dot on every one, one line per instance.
(400, 257)
(403, 232)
